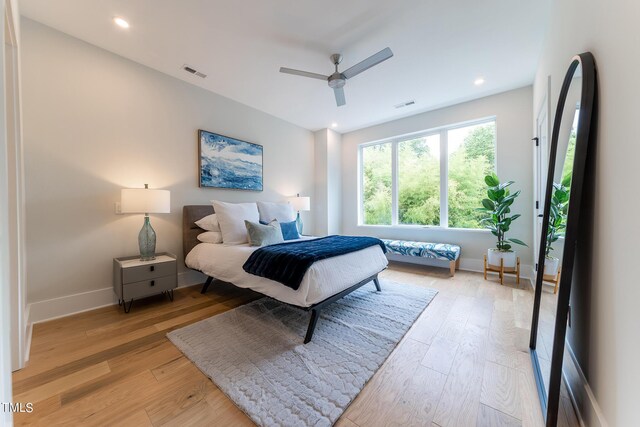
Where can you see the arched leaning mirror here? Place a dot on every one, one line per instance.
(567, 160)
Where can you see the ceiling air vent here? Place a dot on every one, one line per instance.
(193, 71)
(405, 104)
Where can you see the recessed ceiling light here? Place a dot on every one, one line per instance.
(479, 81)
(120, 22)
(334, 125)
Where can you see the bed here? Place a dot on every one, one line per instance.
(324, 282)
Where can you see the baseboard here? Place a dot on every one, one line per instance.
(55, 308)
(582, 397)
(466, 264)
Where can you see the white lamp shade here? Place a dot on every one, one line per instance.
(144, 200)
(300, 203)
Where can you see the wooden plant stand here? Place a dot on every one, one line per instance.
(502, 270)
(553, 279)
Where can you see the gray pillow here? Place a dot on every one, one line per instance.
(261, 235)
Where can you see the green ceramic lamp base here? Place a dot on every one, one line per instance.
(147, 241)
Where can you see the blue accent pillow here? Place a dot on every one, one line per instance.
(289, 230)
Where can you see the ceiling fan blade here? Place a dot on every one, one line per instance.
(339, 93)
(303, 73)
(375, 59)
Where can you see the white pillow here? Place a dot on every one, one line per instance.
(283, 212)
(210, 237)
(232, 217)
(209, 223)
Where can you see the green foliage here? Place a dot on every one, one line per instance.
(377, 184)
(481, 144)
(496, 209)
(419, 180)
(558, 211)
(567, 168)
(418, 183)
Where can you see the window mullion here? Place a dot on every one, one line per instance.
(360, 187)
(444, 179)
(394, 183)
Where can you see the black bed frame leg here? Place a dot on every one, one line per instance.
(312, 325)
(206, 285)
(377, 283)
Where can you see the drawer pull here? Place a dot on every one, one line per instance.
(153, 283)
(153, 268)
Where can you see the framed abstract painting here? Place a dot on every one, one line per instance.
(226, 162)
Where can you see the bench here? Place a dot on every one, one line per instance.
(439, 251)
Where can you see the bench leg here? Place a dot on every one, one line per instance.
(206, 285)
(452, 268)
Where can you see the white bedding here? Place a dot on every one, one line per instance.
(323, 279)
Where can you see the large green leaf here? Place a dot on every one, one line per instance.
(492, 180)
(505, 184)
(502, 209)
(488, 205)
(518, 242)
(561, 196)
(510, 198)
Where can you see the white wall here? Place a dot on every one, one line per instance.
(605, 296)
(334, 182)
(514, 162)
(94, 123)
(320, 202)
(327, 205)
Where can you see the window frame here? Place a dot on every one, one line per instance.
(442, 131)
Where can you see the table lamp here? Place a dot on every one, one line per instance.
(300, 204)
(146, 201)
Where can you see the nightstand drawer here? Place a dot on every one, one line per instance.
(131, 275)
(148, 287)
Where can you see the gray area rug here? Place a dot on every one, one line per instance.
(255, 355)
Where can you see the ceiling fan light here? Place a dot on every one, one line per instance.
(336, 81)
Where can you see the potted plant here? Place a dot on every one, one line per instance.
(498, 208)
(558, 210)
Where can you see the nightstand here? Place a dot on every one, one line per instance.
(135, 279)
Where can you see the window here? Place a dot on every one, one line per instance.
(419, 181)
(432, 179)
(376, 184)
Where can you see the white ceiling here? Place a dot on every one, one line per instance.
(439, 46)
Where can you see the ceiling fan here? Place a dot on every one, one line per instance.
(338, 79)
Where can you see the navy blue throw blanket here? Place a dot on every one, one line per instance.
(288, 262)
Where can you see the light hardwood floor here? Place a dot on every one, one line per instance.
(463, 363)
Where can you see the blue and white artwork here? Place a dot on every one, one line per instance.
(229, 163)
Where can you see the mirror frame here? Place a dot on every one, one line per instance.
(586, 122)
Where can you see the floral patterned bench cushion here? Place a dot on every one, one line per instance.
(443, 251)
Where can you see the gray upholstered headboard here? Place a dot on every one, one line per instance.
(190, 231)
